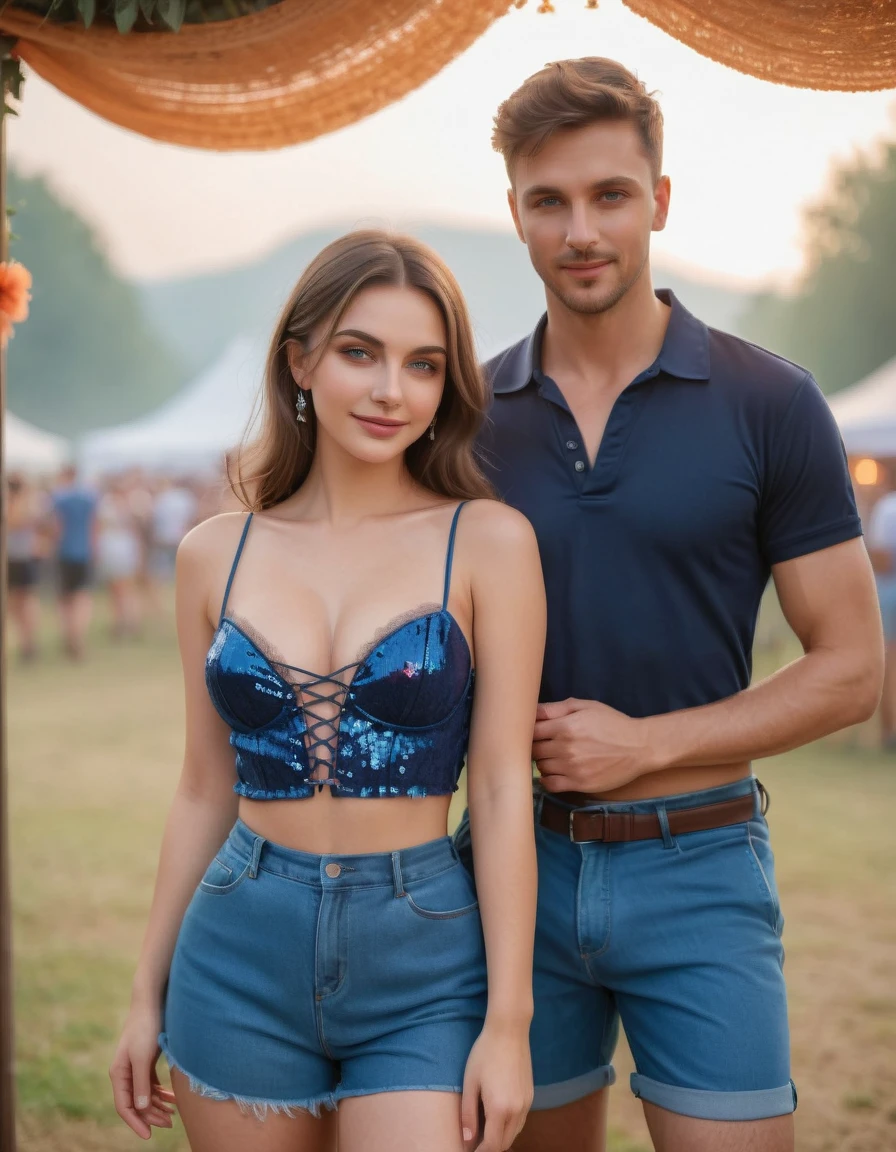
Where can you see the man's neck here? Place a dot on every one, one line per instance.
(606, 350)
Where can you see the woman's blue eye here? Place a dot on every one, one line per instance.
(423, 364)
(349, 353)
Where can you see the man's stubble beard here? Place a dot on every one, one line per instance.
(596, 307)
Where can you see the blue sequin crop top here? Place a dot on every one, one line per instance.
(393, 723)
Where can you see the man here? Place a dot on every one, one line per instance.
(74, 508)
(882, 550)
(668, 469)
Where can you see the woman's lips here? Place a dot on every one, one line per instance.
(381, 429)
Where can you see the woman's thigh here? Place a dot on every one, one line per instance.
(222, 1126)
(400, 1122)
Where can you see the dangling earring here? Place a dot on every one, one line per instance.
(432, 429)
(301, 405)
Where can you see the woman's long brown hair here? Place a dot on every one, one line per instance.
(277, 462)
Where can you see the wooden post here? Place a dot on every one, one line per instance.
(7, 1031)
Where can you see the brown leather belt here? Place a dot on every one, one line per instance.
(594, 823)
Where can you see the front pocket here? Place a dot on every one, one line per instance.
(219, 878)
(763, 863)
(447, 896)
(710, 839)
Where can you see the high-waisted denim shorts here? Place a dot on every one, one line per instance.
(298, 980)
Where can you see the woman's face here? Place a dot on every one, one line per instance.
(379, 381)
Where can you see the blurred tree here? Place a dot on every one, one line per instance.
(841, 323)
(87, 356)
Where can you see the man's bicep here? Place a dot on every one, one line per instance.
(829, 599)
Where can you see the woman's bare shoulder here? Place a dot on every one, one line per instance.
(212, 539)
(491, 524)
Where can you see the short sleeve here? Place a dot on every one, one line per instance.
(808, 501)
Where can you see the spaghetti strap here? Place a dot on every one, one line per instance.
(233, 566)
(449, 558)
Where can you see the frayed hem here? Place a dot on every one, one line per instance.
(260, 1109)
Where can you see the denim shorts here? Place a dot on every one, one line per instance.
(298, 979)
(680, 939)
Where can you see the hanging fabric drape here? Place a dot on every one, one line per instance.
(844, 45)
(286, 74)
(301, 68)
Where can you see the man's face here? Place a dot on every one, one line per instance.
(585, 206)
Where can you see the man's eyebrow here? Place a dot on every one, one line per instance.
(429, 349)
(606, 182)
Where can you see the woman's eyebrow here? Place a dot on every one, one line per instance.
(365, 336)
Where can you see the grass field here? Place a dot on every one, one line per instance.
(94, 753)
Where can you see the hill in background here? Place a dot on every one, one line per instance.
(88, 355)
(199, 316)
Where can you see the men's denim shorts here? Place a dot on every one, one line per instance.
(299, 980)
(680, 939)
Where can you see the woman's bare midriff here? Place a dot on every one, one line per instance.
(328, 825)
(672, 781)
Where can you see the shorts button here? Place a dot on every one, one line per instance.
(333, 870)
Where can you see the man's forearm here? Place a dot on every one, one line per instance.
(810, 698)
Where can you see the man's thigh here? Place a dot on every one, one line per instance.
(696, 967)
(575, 1024)
(673, 1133)
(577, 1127)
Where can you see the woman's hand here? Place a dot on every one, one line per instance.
(140, 1100)
(499, 1073)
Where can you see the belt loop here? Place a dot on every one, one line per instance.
(668, 838)
(256, 856)
(396, 874)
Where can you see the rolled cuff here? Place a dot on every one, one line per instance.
(566, 1091)
(702, 1105)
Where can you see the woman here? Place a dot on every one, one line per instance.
(118, 557)
(333, 953)
(25, 524)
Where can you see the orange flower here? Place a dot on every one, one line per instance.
(15, 285)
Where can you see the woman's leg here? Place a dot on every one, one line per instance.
(29, 621)
(18, 615)
(400, 1122)
(222, 1126)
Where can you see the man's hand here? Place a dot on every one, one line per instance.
(584, 746)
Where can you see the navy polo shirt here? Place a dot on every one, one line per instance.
(719, 461)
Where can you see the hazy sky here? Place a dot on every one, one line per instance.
(744, 156)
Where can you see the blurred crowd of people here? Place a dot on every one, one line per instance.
(67, 538)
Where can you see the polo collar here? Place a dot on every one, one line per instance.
(684, 354)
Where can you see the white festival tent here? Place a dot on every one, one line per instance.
(866, 414)
(190, 432)
(27, 448)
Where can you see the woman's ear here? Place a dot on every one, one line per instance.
(295, 353)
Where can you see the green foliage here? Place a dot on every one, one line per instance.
(841, 323)
(143, 15)
(87, 356)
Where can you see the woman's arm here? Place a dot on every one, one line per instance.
(509, 634)
(202, 813)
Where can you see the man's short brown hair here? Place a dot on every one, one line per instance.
(573, 94)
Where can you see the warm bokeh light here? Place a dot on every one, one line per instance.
(866, 472)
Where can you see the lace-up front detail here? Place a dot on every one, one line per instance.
(394, 722)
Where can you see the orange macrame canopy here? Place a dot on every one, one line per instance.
(301, 68)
